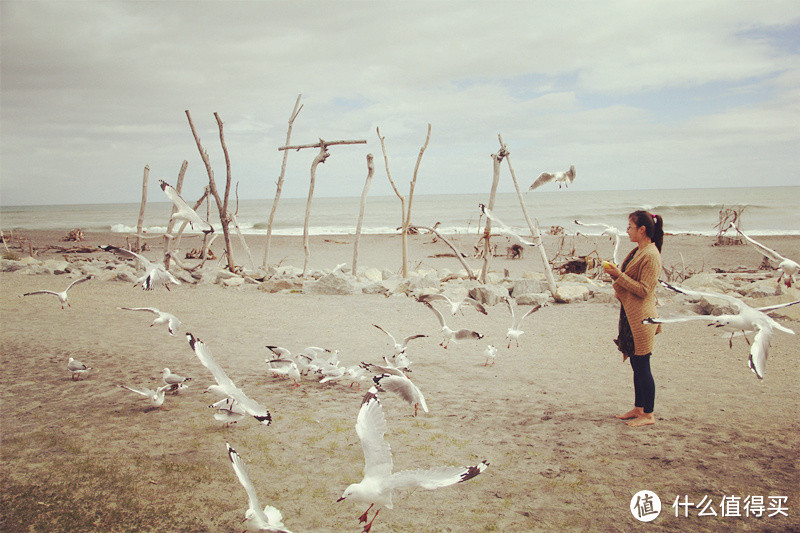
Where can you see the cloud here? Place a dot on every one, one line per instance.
(93, 91)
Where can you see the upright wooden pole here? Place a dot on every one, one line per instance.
(487, 232)
(321, 157)
(168, 237)
(279, 184)
(370, 172)
(407, 220)
(537, 238)
(403, 234)
(139, 224)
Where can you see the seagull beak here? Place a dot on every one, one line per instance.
(340, 499)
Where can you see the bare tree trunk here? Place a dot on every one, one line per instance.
(295, 112)
(370, 172)
(221, 205)
(537, 238)
(403, 234)
(487, 232)
(407, 220)
(168, 238)
(139, 224)
(321, 157)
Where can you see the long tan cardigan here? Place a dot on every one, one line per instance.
(636, 290)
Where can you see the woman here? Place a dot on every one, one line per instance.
(635, 287)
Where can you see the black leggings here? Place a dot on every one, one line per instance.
(644, 386)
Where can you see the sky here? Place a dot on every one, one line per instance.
(635, 95)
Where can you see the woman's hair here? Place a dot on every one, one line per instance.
(654, 225)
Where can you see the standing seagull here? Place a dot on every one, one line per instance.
(379, 482)
(515, 331)
(62, 296)
(77, 368)
(787, 267)
(173, 379)
(489, 352)
(560, 177)
(170, 320)
(611, 232)
(450, 335)
(455, 305)
(156, 275)
(251, 407)
(184, 212)
(502, 228)
(399, 347)
(748, 319)
(270, 519)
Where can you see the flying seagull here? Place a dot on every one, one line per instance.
(611, 232)
(399, 347)
(170, 320)
(502, 228)
(449, 334)
(379, 481)
(455, 305)
(184, 211)
(62, 296)
(403, 387)
(269, 519)
(747, 319)
(156, 275)
(155, 397)
(787, 267)
(251, 407)
(565, 177)
(515, 331)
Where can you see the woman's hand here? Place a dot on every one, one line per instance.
(612, 269)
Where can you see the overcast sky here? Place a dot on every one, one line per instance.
(634, 94)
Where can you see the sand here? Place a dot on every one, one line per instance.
(89, 456)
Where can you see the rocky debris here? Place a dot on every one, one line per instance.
(568, 293)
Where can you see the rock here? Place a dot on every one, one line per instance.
(54, 266)
(709, 305)
(370, 275)
(761, 289)
(708, 282)
(423, 279)
(277, 284)
(10, 265)
(533, 298)
(237, 281)
(374, 287)
(489, 294)
(525, 286)
(336, 282)
(571, 292)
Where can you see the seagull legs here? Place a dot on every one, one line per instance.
(368, 526)
(363, 518)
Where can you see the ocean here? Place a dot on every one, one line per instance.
(767, 211)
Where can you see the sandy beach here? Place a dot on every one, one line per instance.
(87, 455)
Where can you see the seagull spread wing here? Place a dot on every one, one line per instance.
(43, 291)
(759, 349)
(371, 428)
(698, 294)
(127, 254)
(252, 407)
(530, 311)
(435, 478)
(543, 178)
(503, 228)
(436, 312)
(148, 309)
(144, 391)
(404, 388)
(411, 338)
(79, 280)
(389, 334)
(184, 211)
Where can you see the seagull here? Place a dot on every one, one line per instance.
(156, 275)
(173, 379)
(379, 482)
(611, 232)
(787, 267)
(489, 352)
(560, 177)
(77, 368)
(389, 368)
(286, 368)
(450, 335)
(502, 228)
(228, 411)
(402, 387)
(170, 320)
(184, 212)
(399, 347)
(455, 305)
(62, 296)
(156, 397)
(270, 519)
(747, 319)
(515, 331)
(251, 407)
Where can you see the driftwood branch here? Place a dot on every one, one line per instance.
(537, 238)
(321, 144)
(370, 172)
(320, 158)
(139, 224)
(487, 232)
(458, 254)
(295, 112)
(404, 235)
